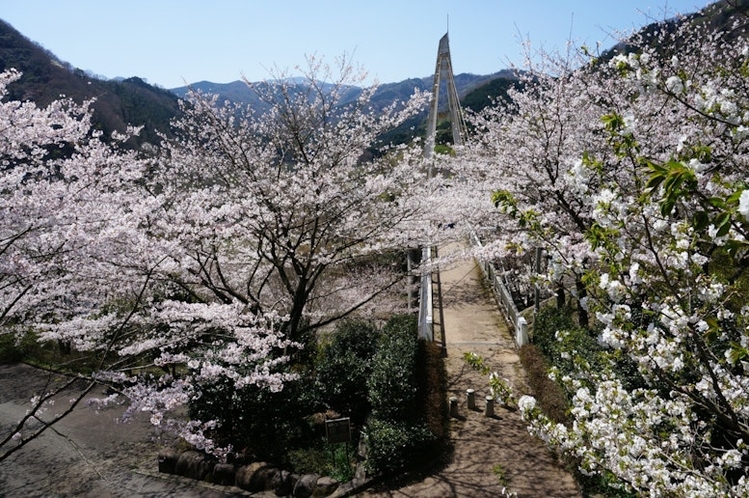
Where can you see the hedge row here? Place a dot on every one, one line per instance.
(401, 430)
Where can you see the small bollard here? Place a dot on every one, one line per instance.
(471, 399)
(521, 334)
(489, 408)
(453, 406)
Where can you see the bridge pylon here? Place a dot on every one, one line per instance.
(443, 73)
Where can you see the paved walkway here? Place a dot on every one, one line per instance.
(489, 453)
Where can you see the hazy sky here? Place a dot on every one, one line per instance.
(171, 43)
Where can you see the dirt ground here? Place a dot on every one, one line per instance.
(90, 454)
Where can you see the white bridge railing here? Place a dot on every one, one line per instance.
(426, 298)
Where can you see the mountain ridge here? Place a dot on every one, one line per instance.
(116, 104)
(240, 92)
(120, 102)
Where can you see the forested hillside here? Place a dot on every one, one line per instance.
(118, 103)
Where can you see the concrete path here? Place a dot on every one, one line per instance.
(490, 454)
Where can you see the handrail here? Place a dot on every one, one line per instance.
(504, 298)
(426, 298)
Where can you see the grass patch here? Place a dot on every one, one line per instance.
(499, 471)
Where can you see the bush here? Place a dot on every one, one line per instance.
(401, 378)
(564, 343)
(570, 348)
(336, 461)
(559, 341)
(258, 423)
(394, 446)
(393, 382)
(14, 348)
(547, 322)
(343, 366)
(406, 390)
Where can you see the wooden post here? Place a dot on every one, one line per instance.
(453, 406)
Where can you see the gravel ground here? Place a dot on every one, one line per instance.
(89, 453)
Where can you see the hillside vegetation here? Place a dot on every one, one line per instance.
(118, 103)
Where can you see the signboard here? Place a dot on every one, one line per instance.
(338, 430)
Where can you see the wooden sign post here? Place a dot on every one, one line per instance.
(338, 431)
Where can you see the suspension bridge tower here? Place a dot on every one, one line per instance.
(443, 78)
(430, 296)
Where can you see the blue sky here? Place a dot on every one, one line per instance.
(171, 43)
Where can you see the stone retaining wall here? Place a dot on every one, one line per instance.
(254, 477)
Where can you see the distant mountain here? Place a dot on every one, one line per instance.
(240, 92)
(118, 103)
(477, 91)
(236, 91)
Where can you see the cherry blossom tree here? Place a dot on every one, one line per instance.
(53, 168)
(77, 270)
(281, 211)
(644, 185)
(256, 229)
(209, 262)
(523, 156)
(29, 137)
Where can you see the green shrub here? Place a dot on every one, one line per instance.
(14, 348)
(547, 322)
(394, 446)
(406, 389)
(356, 367)
(571, 348)
(336, 460)
(393, 382)
(256, 422)
(343, 367)
(565, 344)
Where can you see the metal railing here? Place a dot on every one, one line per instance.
(426, 298)
(504, 298)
